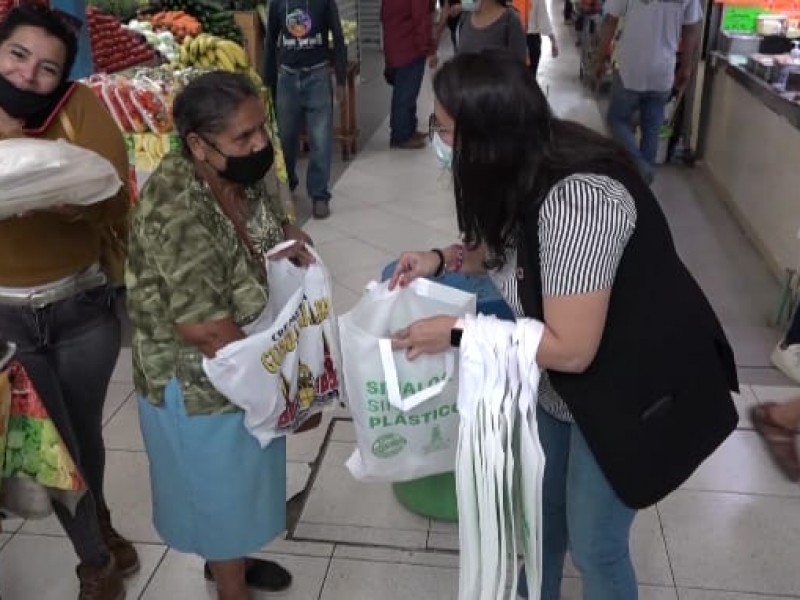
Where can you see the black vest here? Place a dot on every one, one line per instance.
(656, 401)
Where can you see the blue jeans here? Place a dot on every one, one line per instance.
(625, 104)
(307, 95)
(407, 84)
(69, 350)
(581, 513)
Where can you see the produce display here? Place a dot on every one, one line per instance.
(177, 22)
(209, 52)
(350, 31)
(214, 18)
(164, 41)
(115, 48)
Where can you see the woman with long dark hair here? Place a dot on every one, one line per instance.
(637, 373)
(55, 286)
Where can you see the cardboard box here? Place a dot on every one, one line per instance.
(253, 29)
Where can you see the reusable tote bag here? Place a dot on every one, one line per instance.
(404, 412)
(286, 370)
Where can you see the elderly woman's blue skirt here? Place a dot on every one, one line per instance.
(216, 492)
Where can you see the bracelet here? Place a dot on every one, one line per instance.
(440, 270)
(459, 263)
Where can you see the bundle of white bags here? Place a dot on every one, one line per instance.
(500, 462)
(404, 412)
(287, 368)
(40, 174)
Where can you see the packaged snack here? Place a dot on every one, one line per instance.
(113, 105)
(124, 93)
(148, 101)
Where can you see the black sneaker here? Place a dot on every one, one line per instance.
(262, 575)
(322, 209)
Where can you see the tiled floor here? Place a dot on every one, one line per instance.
(731, 533)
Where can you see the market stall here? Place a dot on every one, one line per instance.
(749, 126)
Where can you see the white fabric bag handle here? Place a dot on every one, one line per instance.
(288, 244)
(393, 392)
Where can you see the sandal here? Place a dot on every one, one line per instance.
(262, 575)
(780, 440)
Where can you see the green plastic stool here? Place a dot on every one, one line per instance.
(433, 496)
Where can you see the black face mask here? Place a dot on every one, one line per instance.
(29, 106)
(249, 169)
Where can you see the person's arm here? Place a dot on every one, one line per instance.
(270, 68)
(339, 47)
(691, 33)
(615, 10)
(195, 275)
(423, 27)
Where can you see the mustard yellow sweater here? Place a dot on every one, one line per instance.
(44, 247)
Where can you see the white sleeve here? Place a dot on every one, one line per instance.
(693, 12)
(617, 8)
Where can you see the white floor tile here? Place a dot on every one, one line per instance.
(362, 580)
(298, 548)
(338, 499)
(297, 475)
(367, 536)
(4, 539)
(343, 299)
(769, 393)
(117, 394)
(123, 432)
(687, 594)
(123, 373)
(403, 557)
(733, 542)
(443, 541)
(343, 256)
(741, 465)
(356, 280)
(344, 431)
(572, 588)
(44, 568)
(305, 447)
(181, 576)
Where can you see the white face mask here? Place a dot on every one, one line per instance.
(443, 152)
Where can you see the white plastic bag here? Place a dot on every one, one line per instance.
(404, 411)
(40, 174)
(286, 370)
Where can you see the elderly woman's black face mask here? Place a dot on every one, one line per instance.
(248, 169)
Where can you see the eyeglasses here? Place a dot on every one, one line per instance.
(71, 22)
(435, 127)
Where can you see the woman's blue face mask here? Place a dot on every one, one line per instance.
(443, 152)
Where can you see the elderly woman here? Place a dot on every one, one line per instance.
(55, 295)
(637, 371)
(196, 278)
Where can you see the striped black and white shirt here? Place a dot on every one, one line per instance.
(584, 225)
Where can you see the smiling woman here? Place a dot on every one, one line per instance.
(55, 295)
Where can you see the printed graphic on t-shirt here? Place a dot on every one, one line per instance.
(299, 26)
(298, 23)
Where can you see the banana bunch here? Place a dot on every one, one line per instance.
(150, 149)
(209, 52)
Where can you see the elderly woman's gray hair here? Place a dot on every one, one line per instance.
(204, 106)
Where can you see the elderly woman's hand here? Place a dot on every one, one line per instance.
(293, 232)
(412, 265)
(297, 253)
(426, 336)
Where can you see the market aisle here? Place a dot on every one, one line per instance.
(731, 533)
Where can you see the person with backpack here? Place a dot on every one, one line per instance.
(492, 25)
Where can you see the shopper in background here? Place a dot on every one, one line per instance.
(56, 303)
(408, 42)
(539, 25)
(298, 33)
(648, 47)
(196, 278)
(575, 239)
(450, 16)
(493, 25)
